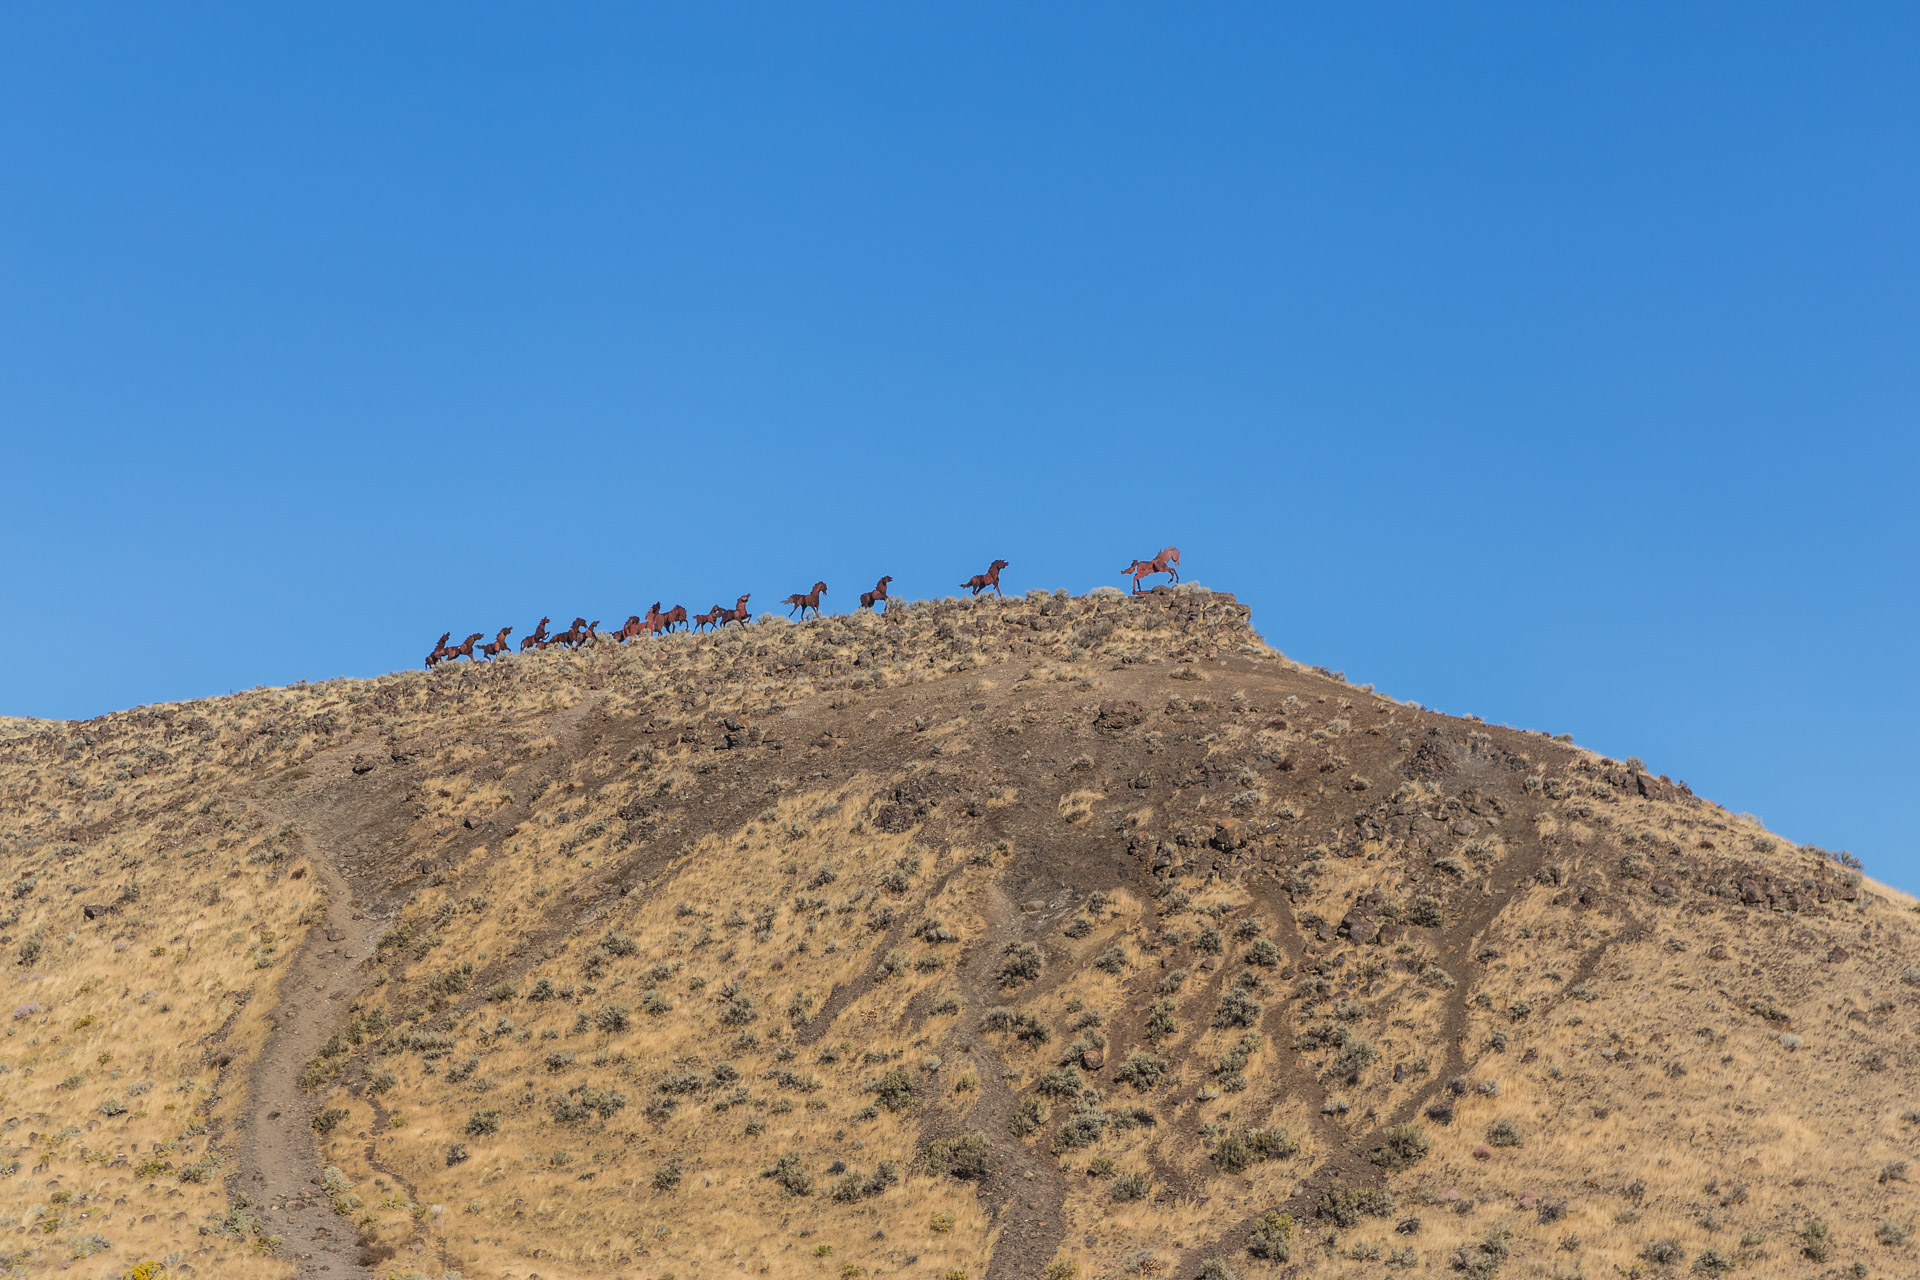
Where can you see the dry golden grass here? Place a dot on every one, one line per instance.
(658, 918)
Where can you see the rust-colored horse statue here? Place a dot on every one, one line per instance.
(464, 649)
(876, 596)
(738, 613)
(630, 631)
(439, 653)
(572, 636)
(991, 578)
(674, 617)
(498, 646)
(538, 640)
(1168, 561)
(711, 618)
(655, 621)
(809, 601)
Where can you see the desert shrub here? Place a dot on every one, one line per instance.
(1023, 1026)
(329, 1120)
(1171, 981)
(894, 1088)
(484, 1122)
(1663, 1253)
(1264, 954)
(619, 944)
(1141, 1070)
(791, 1176)
(856, 1186)
(1131, 1186)
(1209, 942)
(1237, 1008)
(1078, 927)
(457, 1154)
(1272, 1238)
(1160, 1021)
(1344, 1204)
(1237, 1154)
(1029, 1115)
(1082, 1129)
(1213, 1269)
(1356, 1056)
(1816, 1242)
(502, 991)
(1020, 962)
(1891, 1234)
(967, 1157)
(738, 1011)
(1504, 1133)
(613, 1017)
(1482, 1261)
(1322, 1035)
(1402, 1146)
(1712, 1263)
(1064, 1082)
(1112, 960)
(667, 1176)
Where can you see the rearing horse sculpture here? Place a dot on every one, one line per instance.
(1168, 561)
(538, 639)
(439, 653)
(876, 596)
(498, 646)
(736, 614)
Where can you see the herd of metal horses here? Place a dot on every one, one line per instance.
(659, 622)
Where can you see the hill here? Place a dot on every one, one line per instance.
(1047, 936)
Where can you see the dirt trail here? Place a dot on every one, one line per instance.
(277, 1161)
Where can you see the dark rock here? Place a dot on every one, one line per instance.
(94, 910)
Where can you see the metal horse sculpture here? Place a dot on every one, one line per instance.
(991, 578)
(809, 601)
(1168, 561)
(876, 596)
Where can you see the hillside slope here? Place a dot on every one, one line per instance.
(1000, 938)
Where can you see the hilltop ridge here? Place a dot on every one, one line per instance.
(1040, 936)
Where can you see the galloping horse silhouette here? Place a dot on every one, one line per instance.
(991, 578)
(538, 640)
(1168, 561)
(711, 618)
(464, 649)
(439, 653)
(809, 601)
(738, 613)
(876, 596)
(499, 644)
(676, 616)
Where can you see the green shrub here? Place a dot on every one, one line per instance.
(1344, 1204)
(792, 1177)
(482, 1123)
(1131, 1186)
(1141, 1070)
(1272, 1239)
(1504, 1133)
(895, 1089)
(1029, 1116)
(968, 1157)
(329, 1120)
(1401, 1147)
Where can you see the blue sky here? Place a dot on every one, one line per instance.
(1550, 363)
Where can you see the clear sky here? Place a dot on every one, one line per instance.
(1554, 363)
